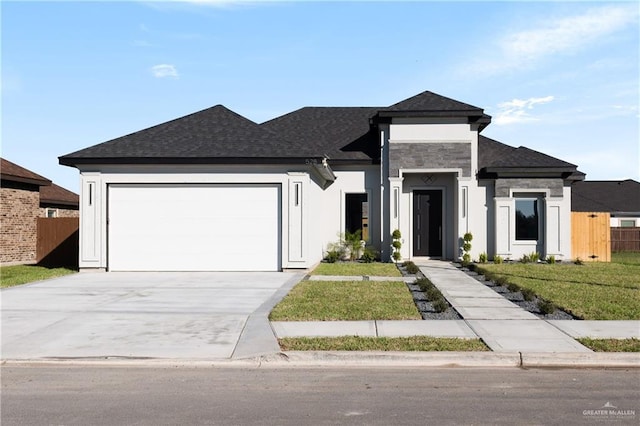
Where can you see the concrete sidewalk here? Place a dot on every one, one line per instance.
(501, 324)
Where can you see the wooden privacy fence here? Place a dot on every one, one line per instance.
(58, 242)
(590, 236)
(625, 239)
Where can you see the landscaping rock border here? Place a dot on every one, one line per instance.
(427, 312)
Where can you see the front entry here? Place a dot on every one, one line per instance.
(427, 223)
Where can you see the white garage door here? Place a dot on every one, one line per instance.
(193, 228)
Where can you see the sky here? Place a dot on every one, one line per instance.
(558, 77)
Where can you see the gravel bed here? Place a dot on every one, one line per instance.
(518, 299)
(424, 306)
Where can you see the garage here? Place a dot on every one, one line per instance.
(193, 227)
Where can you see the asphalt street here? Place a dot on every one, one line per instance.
(108, 395)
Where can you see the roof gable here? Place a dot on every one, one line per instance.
(207, 135)
(429, 101)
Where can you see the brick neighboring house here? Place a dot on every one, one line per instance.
(24, 197)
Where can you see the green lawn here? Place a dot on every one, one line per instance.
(593, 291)
(358, 269)
(346, 301)
(354, 343)
(21, 274)
(612, 345)
(631, 258)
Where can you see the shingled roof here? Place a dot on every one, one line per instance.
(338, 133)
(208, 136)
(496, 157)
(57, 195)
(613, 196)
(12, 172)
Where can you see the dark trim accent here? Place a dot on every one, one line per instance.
(529, 172)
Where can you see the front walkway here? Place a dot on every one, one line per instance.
(502, 325)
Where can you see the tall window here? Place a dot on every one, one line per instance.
(357, 214)
(527, 219)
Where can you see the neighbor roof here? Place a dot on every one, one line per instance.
(54, 194)
(12, 172)
(613, 196)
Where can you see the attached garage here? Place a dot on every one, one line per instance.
(193, 227)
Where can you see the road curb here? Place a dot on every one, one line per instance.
(339, 359)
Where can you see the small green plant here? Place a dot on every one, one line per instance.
(412, 268)
(433, 294)
(466, 248)
(535, 256)
(551, 260)
(502, 280)
(353, 244)
(497, 259)
(332, 256)
(397, 245)
(424, 284)
(527, 294)
(513, 287)
(525, 259)
(440, 305)
(578, 261)
(546, 307)
(482, 258)
(369, 254)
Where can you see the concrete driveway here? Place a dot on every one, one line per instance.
(200, 315)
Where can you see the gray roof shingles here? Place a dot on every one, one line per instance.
(613, 196)
(218, 134)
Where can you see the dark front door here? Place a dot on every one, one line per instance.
(427, 223)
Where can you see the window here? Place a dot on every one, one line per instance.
(627, 223)
(357, 214)
(51, 212)
(527, 228)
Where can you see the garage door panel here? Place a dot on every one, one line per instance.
(194, 228)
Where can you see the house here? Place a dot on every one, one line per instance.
(216, 191)
(619, 198)
(24, 197)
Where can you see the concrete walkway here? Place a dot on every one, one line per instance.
(502, 325)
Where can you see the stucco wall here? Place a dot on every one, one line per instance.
(19, 210)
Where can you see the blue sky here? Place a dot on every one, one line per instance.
(558, 77)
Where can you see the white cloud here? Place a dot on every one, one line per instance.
(164, 70)
(517, 110)
(565, 35)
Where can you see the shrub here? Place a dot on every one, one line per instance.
(513, 287)
(502, 280)
(535, 256)
(332, 256)
(578, 261)
(396, 244)
(412, 268)
(551, 260)
(546, 307)
(433, 294)
(527, 294)
(482, 258)
(525, 259)
(353, 243)
(466, 247)
(497, 259)
(466, 259)
(468, 237)
(424, 284)
(369, 254)
(440, 305)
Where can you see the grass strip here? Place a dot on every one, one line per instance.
(357, 269)
(593, 291)
(22, 274)
(346, 301)
(356, 343)
(611, 345)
